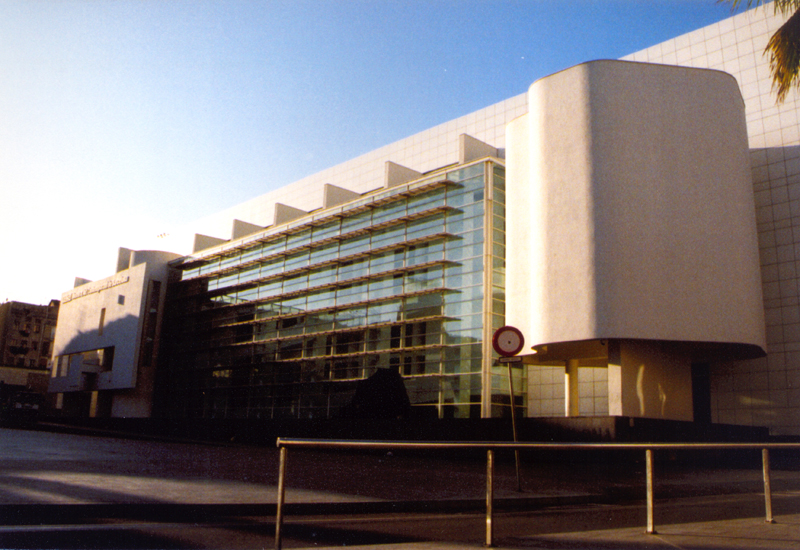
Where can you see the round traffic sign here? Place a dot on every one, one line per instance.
(508, 341)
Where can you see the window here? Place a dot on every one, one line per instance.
(351, 269)
(121, 300)
(102, 322)
(341, 294)
(62, 366)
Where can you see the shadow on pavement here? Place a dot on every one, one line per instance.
(90, 538)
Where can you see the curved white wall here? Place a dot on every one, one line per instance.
(633, 213)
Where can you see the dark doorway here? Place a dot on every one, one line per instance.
(701, 393)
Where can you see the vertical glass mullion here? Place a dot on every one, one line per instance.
(487, 358)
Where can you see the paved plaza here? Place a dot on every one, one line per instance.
(64, 490)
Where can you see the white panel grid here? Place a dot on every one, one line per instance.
(425, 151)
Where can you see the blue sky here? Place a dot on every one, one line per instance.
(120, 120)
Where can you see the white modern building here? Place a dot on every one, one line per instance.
(634, 218)
(632, 249)
(765, 391)
(107, 337)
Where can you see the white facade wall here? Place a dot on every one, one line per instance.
(633, 216)
(764, 392)
(104, 314)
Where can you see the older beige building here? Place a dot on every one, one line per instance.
(26, 339)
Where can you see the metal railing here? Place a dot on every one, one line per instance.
(491, 447)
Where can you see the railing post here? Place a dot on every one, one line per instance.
(767, 488)
(489, 497)
(648, 457)
(281, 493)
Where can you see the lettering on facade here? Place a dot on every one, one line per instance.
(91, 288)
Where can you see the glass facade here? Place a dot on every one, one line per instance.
(284, 323)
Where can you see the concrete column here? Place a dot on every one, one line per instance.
(571, 395)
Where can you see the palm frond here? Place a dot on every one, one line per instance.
(780, 6)
(784, 57)
(783, 47)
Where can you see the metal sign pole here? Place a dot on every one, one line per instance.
(767, 488)
(489, 498)
(514, 425)
(508, 342)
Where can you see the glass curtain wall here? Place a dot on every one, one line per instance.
(285, 323)
(499, 398)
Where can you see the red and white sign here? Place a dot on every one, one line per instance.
(508, 341)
